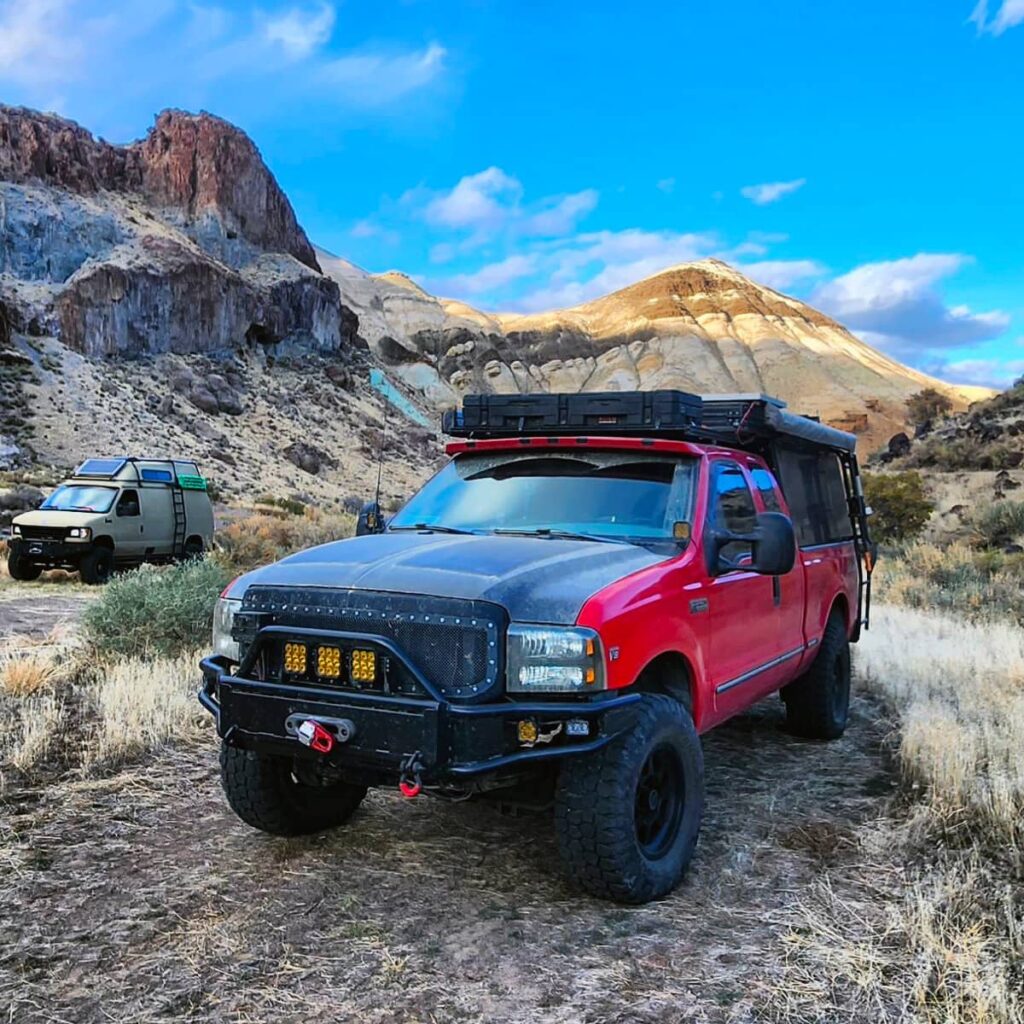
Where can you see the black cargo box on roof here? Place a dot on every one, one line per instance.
(596, 412)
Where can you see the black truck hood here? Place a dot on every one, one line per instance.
(534, 579)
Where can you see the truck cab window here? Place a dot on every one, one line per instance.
(765, 484)
(732, 508)
(128, 504)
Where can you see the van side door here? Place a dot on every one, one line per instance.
(158, 527)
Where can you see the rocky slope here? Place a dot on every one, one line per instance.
(701, 326)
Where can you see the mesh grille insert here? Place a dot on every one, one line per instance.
(457, 644)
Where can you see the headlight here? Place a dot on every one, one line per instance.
(16, 529)
(223, 620)
(80, 533)
(552, 659)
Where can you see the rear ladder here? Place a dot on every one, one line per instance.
(180, 520)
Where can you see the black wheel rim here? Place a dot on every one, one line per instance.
(660, 795)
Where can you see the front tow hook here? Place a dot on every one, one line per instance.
(320, 734)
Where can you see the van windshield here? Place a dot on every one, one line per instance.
(80, 498)
(627, 495)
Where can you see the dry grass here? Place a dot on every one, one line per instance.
(35, 731)
(141, 704)
(24, 674)
(935, 935)
(262, 538)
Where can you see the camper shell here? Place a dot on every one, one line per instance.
(118, 511)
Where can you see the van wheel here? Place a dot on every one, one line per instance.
(96, 566)
(21, 569)
(818, 703)
(268, 793)
(193, 550)
(627, 815)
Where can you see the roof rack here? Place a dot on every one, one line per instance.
(749, 421)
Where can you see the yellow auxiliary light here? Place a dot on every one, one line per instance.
(328, 662)
(364, 666)
(526, 731)
(295, 658)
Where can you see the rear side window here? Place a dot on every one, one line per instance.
(814, 489)
(732, 507)
(765, 484)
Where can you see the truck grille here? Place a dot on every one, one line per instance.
(458, 645)
(43, 533)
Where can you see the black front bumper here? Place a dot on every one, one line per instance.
(45, 551)
(452, 741)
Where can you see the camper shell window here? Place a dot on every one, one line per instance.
(815, 491)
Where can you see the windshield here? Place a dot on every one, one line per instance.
(80, 498)
(607, 494)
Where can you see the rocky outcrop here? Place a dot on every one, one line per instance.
(182, 242)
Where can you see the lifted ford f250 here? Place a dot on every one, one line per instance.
(590, 583)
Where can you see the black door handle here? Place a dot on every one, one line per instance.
(776, 590)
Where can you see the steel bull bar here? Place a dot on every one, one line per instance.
(390, 733)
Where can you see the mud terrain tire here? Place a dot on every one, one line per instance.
(627, 815)
(818, 703)
(21, 569)
(264, 792)
(96, 566)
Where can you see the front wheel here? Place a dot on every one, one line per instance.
(21, 569)
(275, 794)
(96, 566)
(627, 816)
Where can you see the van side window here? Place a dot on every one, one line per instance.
(765, 484)
(128, 504)
(732, 508)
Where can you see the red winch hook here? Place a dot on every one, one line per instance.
(315, 736)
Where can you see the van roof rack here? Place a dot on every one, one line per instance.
(749, 421)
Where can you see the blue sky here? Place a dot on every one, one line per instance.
(868, 157)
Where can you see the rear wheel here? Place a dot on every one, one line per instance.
(818, 703)
(627, 816)
(20, 568)
(193, 550)
(96, 566)
(275, 795)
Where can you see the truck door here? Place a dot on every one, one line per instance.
(752, 647)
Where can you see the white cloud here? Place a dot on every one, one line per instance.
(783, 274)
(372, 79)
(895, 305)
(771, 192)
(299, 32)
(561, 215)
(1009, 14)
(481, 201)
(494, 275)
(38, 46)
(986, 373)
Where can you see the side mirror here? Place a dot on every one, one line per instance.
(774, 544)
(370, 520)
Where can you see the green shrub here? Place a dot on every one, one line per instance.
(999, 524)
(900, 504)
(928, 405)
(260, 539)
(154, 610)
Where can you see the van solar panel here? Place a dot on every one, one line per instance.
(101, 469)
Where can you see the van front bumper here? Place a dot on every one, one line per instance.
(451, 742)
(48, 552)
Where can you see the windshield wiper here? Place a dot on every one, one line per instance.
(559, 535)
(431, 528)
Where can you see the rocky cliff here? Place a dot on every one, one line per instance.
(701, 327)
(182, 242)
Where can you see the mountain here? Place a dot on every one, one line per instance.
(700, 326)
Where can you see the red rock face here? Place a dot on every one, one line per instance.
(201, 164)
(195, 164)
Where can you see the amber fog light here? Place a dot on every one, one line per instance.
(295, 658)
(364, 666)
(328, 662)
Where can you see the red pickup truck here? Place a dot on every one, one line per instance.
(590, 583)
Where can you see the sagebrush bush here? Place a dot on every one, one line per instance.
(156, 610)
(261, 539)
(999, 524)
(900, 504)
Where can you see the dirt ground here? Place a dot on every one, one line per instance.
(25, 611)
(138, 897)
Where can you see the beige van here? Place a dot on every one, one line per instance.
(115, 512)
